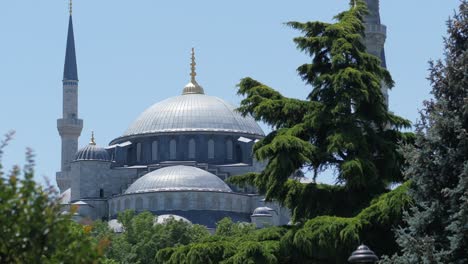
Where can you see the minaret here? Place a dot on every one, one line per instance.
(69, 126)
(376, 33)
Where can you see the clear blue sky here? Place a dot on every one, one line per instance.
(132, 54)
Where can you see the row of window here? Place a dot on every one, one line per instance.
(191, 150)
(199, 201)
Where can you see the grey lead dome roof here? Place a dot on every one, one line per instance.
(193, 112)
(262, 211)
(92, 152)
(178, 178)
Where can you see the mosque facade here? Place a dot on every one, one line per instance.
(175, 158)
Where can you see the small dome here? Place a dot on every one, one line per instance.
(178, 178)
(115, 226)
(262, 211)
(162, 219)
(92, 152)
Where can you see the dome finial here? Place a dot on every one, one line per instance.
(193, 87)
(193, 73)
(92, 142)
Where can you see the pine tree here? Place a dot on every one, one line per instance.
(437, 224)
(343, 124)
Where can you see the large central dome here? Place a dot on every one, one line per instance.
(193, 112)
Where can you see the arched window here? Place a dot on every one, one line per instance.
(154, 150)
(168, 203)
(129, 155)
(127, 204)
(153, 203)
(210, 149)
(238, 153)
(191, 149)
(101, 193)
(229, 149)
(228, 205)
(138, 152)
(186, 203)
(173, 149)
(139, 204)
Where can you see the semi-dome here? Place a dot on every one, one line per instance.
(92, 152)
(262, 211)
(193, 112)
(178, 178)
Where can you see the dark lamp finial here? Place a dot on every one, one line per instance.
(363, 255)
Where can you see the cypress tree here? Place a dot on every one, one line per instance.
(437, 224)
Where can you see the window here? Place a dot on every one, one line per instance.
(139, 204)
(173, 149)
(153, 203)
(129, 155)
(138, 150)
(238, 153)
(101, 193)
(127, 204)
(210, 149)
(191, 149)
(154, 150)
(229, 149)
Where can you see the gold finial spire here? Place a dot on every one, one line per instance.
(71, 7)
(193, 73)
(92, 142)
(193, 87)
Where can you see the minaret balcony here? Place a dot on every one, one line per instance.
(376, 29)
(72, 126)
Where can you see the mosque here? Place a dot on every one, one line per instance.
(175, 158)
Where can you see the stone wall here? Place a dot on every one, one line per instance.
(96, 179)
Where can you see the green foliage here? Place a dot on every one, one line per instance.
(255, 246)
(142, 239)
(437, 224)
(324, 239)
(255, 252)
(225, 227)
(330, 239)
(31, 226)
(343, 124)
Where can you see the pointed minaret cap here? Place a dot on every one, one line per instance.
(92, 141)
(374, 12)
(70, 71)
(193, 87)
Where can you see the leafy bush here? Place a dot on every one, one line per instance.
(32, 227)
